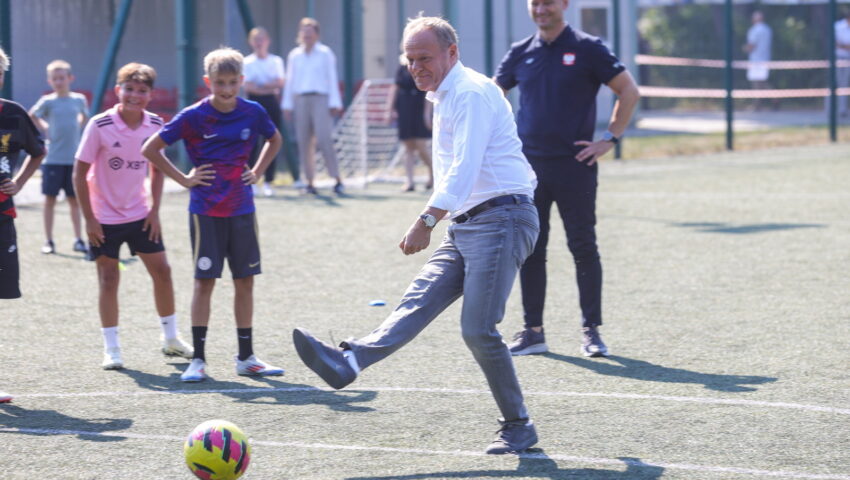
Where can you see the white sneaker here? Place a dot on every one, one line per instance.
(112, 359)
(176, 347)
(195, 371)
(298, 185)
(5, 397)
(253, 366)
(268, 190)
(255, 189)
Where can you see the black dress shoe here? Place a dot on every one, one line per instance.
(328, 362)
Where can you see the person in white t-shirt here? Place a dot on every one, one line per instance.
(264, 79)
(842, 52)
(759, 41)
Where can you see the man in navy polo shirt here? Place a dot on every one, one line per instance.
(559, 71)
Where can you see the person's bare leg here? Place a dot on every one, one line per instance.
(243, 301)
(74, 206)
(49, 212)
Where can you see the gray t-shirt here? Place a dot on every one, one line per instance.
(63, 132)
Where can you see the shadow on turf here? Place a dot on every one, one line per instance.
(275, 393)
(330, 199)
(51, 422)
(722, 227)
(641, 370)
(535, 463)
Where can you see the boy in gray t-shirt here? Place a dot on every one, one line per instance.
(60, 116)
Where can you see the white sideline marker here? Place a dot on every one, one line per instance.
(460, 453)
(629, 396)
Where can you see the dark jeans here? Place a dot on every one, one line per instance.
(572, 186)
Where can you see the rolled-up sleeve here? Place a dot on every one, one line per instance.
(334, 98)
(470, 122)
(287, 101)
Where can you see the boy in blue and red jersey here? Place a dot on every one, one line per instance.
(219, 133)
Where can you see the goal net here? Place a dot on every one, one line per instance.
(365, 139)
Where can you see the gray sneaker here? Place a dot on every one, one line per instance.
(513, 437)
(327, 361)
(592, 344)
(528, 342)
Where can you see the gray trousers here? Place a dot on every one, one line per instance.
(313, 118)
(479, 260)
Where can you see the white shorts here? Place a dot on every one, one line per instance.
(758, 72)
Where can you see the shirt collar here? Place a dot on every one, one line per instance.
(539, 41)
(313, 50)
(119, 122)
(446, 85)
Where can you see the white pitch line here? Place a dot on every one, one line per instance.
(629, 396)
(460, 453)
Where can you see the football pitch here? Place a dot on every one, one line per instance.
(727, 309)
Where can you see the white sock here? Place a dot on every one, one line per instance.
(110, 337)
(169, 326)
(349, 355)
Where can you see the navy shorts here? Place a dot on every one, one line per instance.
(9, 267)
(131, 233)
(217, 238)
(55, 178)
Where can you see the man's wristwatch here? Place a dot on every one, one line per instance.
(609, 137)
(428, 219)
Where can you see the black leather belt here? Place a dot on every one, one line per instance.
(493, 203)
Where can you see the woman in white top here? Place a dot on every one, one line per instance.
(264, 79)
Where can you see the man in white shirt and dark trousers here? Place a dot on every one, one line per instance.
(312, 93)
(484, 184)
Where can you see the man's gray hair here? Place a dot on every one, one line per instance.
(446, 34)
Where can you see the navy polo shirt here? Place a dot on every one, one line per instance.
(558, 83)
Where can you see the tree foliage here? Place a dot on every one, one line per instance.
(800, 32)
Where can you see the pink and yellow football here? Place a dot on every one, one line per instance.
(217, 450)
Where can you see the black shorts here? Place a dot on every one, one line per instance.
(132, 233)
(55, 178)
(216, 238)
(9, 267)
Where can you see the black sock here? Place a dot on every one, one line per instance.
(199, 339)
(246, 344)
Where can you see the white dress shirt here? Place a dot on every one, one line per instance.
(263, 71)
(313, 72)
(477, 153)
(842, 36)
(760, 37)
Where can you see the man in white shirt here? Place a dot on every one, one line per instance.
(842, 52)
(484, 184)
(312, 94)
(759, 40)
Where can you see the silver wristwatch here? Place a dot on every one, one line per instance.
(609, 137)
(428, 219)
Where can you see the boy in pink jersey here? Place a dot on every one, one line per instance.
(109, 177)
(219, 133)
